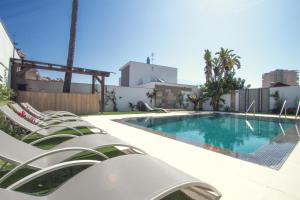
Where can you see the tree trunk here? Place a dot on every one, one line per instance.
(195, 106)
(71, 51)
(217, 105)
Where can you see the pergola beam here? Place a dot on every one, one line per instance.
(57, 67)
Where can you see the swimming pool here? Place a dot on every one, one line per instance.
(262, 140)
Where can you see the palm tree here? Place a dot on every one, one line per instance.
(220, 71)
(228, 61)
(197, 99)
(216, 69)
(71, 51)
(152, 95)
(208, 65)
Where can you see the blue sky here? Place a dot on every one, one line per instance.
(265, 33)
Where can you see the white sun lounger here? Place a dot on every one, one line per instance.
(46, 130)
(129, 177)
(36, 158)
(149, 108)
(44, 121)
(39, 114)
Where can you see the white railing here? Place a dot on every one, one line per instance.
(297, 112)
(252, 104)
(283, 107)
(298, 133)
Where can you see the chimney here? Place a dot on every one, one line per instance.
(148, 60)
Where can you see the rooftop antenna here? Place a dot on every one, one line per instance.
(14, 45)
(152, 58)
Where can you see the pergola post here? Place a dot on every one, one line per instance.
(13, 80)
(102, 93)
(93, 85)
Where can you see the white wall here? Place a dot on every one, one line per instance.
(227, 103)
(289, 93)
(6, 52)
(226, 97)
(141, 73)
(135, 94)
(128, 94)
(237, 102)
(207, 106)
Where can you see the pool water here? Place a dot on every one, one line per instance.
(219, 131)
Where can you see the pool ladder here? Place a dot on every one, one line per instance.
(283, 107)
(297, 112)
(252, 104)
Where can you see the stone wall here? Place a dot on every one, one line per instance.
(168, 96)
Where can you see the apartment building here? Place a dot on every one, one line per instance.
(288, 77)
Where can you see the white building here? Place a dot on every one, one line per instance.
(137, 73)
(7, 51)
(161, 78)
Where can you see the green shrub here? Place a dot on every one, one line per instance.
(4, 124)
(6, 93)
(278, 102)
(291, 111)
(140, 106)
(131, 106)
(10, 128)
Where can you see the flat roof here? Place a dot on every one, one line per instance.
(127, 64)
(170, 84)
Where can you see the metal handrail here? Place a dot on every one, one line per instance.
(298, 133)
(297, 112)
(283, 107)
(252, 103)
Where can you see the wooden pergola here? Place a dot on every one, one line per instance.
(20, 67)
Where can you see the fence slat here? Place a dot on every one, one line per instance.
(75, 103)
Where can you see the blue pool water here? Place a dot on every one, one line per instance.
(229, 132)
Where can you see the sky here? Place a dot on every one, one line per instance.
(264, 33)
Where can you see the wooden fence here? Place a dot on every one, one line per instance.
(72, 102)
